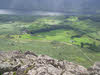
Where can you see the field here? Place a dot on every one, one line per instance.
(72, 38)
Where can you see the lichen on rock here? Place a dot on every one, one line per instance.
(28, 63)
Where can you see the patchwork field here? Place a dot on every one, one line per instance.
(72, 38)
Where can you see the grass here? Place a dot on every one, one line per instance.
(83, 39)
(59, 51)
(48, 21)
(95, 35)
(56, 43)
(58, 35)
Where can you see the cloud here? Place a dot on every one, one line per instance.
(62, 5)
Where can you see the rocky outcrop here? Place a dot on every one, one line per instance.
(28, 63)
(95, 69)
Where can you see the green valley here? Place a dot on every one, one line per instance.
(72, 38)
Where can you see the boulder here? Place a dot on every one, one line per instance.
(95, 69)
(28, 63)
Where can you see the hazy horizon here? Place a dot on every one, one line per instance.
(59, 6)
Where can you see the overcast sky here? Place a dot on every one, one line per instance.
(49, 4)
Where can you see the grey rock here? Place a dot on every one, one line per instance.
(95, 69)
(29, 63)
